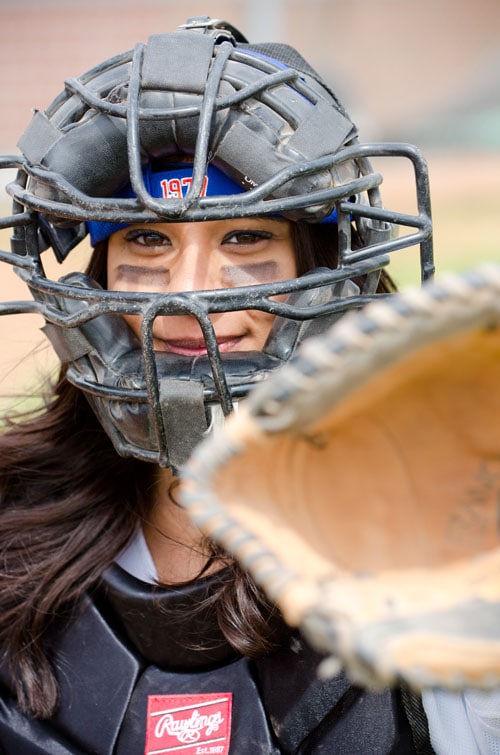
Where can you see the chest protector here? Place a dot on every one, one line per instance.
(142, 670)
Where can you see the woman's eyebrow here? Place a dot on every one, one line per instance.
(142, 273)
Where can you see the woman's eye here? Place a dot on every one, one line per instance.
(246, 237)
(147, 238)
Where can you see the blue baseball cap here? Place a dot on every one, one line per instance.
(173, 183)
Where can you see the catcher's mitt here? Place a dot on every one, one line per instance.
(360, 485)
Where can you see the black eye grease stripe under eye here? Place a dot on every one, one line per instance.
(256, 271)
(139, 274)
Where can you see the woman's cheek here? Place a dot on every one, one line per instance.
(260, 327)
(134, 322)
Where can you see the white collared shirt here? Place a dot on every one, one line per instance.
(136, 559)
(466, 723)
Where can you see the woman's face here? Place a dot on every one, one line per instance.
(174, 257)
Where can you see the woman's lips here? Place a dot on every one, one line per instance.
(195, 348)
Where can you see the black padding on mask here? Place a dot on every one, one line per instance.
(38, 138)
(69, 343)
(293, 59)
(286, 335)
(106, 334)
(324, 130)
(184, 418)
(99, 143)
(177, 62)
(62, 240)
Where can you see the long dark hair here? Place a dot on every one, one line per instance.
(65, 517)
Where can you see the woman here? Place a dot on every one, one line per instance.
(232, 213)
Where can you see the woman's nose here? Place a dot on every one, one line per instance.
(194, 269)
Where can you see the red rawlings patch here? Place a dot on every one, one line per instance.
(191, 724)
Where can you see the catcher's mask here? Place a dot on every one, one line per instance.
(260, 116)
